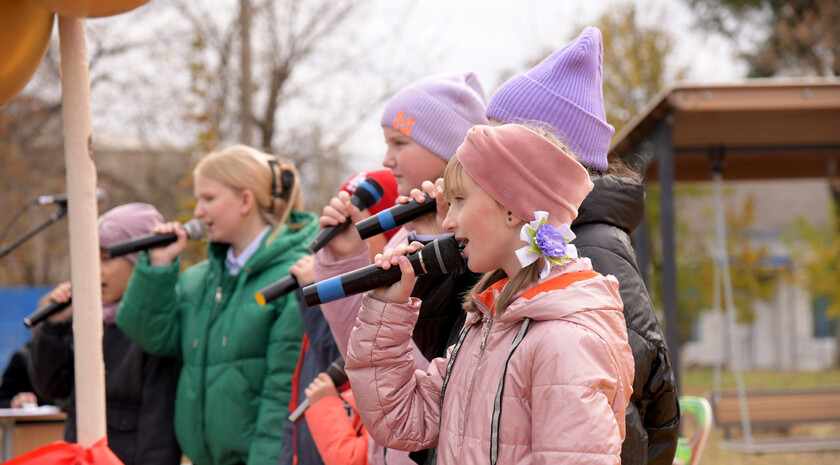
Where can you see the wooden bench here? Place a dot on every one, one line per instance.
(779, 408)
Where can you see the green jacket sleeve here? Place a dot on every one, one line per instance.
(149, 310)
(282, 354)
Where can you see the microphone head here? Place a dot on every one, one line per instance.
(336, 372)
(195, 228)
(367, 194)
(441, 256)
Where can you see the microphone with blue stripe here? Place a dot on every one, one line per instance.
(367, 194)
(395, 217)
(437, 257)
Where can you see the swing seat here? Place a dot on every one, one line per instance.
(689, 449)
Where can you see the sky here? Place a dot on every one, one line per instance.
(405, 41)
(494, 37)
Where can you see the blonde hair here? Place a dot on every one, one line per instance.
(527, 276)
(274, 182)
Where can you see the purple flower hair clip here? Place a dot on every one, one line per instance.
(544, 240)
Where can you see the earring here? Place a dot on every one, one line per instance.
(510, 219)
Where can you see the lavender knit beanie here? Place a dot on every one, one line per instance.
(437, 111)
(125, 222)
(565, 91)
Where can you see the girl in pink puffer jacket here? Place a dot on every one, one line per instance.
(542, 371)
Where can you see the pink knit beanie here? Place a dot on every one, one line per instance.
(525, 172)
(437, 111)
(565, 91)
(125, 222)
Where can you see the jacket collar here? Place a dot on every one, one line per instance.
(616, 201)
(559, 279)
(287, 243)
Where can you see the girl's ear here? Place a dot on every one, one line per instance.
(246, 202)
(512, 221)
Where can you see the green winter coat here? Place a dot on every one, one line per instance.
(238, 357)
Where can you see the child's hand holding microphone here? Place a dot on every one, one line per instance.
(164, 256)
(401, 290)
(435, 191)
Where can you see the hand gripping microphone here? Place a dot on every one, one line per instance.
(195, 230)
(437, 257)
(367, 194)
(394, 217)
(45, 312)
(338, 376)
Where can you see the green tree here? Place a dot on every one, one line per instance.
(816, 252)
(777, 37)
(751, 279)
(274, 75)
(636, 66)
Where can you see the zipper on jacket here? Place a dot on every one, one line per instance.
(218, 294)
(475, 373)
(486, 333)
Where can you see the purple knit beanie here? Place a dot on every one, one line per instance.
(437, 111)
(127, 221)
(565, 91)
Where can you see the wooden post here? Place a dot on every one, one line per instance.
(84, 238)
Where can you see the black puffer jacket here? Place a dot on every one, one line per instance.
(612, 210)
(139, 392)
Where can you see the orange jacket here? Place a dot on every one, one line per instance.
(340, 440)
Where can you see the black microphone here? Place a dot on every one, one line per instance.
(367, 194)
(62, 198)
(394, 217)
(276, 290)
(338, 376)
(45, 312)
(437, 257)
(195, 230)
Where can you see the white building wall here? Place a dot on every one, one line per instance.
(780, 338)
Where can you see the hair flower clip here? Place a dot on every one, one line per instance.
(546, 241)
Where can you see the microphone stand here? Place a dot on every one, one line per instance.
(57, 215)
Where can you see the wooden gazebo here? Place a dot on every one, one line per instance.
(753, 129)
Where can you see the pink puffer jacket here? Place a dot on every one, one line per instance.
(563, 386)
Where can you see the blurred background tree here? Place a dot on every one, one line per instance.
(777, 37)
(291, 77)
(816, 252)
(252, 75)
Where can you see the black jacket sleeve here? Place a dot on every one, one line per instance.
(16, 377)
(52, 361)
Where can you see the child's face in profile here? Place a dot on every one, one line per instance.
(410, 162)
(220, 207)
(480, 223)
(114, 273)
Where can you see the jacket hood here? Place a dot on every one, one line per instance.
(595, 293)
(287, 244)
(616, 201)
